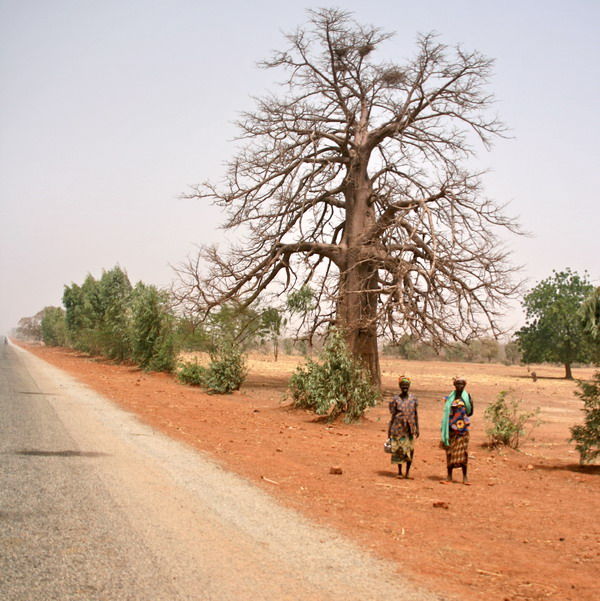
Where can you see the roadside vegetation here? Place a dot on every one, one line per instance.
(111, 318)
(336, 384)
(507, 422)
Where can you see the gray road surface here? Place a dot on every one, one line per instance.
(97, 506)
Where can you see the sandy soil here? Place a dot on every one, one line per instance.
(527, 528)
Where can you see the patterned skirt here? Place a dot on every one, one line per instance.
(458, 452)
(402, 449)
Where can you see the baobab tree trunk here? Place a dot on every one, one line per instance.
(357, 312)
(358, 290)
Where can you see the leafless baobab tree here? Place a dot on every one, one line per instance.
(355, 180)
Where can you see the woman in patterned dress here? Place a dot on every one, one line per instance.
(403, 427)
(455, 428)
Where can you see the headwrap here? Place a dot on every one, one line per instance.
(445, 427)
(403, 379)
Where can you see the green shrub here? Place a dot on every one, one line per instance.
(507, 423)
(165, 351)
(83, 315)
(53, 327)
(191, 372)
(338, 385)
(152, 329)
(227, 369)
(224, 374)
(97, 315)
(587, 436)
(114, 294)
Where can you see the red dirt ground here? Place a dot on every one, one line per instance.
(526, 529)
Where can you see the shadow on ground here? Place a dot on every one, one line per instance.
(571, 467)
(39, 453)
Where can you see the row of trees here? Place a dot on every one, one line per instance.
(110, 317)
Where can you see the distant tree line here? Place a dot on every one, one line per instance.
(481, 350)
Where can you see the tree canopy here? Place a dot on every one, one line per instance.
(554, 330)
(356, 181)
(96, 314)
(53, 326)
(590, 314)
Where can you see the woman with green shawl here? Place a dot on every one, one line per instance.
(455, 428)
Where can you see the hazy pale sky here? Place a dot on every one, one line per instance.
(111, 109)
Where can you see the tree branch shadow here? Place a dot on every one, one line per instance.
(571, 467)
(528, 377)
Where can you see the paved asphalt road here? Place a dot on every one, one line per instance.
(95, 505)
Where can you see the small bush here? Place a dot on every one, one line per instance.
(338, 385)
(224, 374)
(227, 369)
(587, 436)
(507, 423)
(165, 352)
(191, 372)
